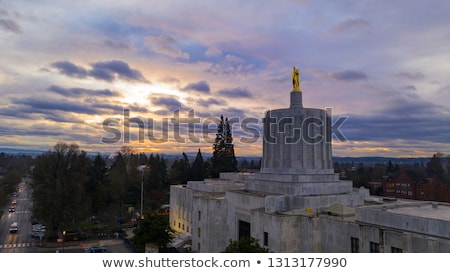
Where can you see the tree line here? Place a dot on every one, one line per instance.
(70, 187)
(438, 167)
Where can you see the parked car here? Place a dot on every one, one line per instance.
(12, 209)
(14, 202)
(94, 249)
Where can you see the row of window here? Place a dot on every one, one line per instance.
(374, 247)
(397, 191)
(180, 226)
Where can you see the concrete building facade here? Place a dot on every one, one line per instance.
(296, 203)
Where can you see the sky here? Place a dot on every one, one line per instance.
(157, 75)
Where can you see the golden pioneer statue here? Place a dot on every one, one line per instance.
(295, 79)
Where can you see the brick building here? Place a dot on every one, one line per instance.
(409, 184)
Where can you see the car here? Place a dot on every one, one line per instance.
(14, 202)
(38, 234)
(15, 194)
(94, 249)
(12, 209)
(14, 228)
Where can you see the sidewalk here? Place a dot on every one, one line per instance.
(112, 246)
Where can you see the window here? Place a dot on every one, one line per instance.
(198, 232)
(183, 226)
(244, 229)
(396, 250)
(354, 245)
(199, 215)
(179, 225)
(374, 247)
(266, 239)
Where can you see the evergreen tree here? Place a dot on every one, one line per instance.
(180, 171)
(98, 184)
(119, 180)
(223, 159)
(198, 168)
(157, 172)
(434, 167)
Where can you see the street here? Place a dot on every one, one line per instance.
(22, 242)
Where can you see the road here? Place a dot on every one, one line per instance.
(22, 242)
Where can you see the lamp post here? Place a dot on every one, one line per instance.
(142, 169)
(63, 239)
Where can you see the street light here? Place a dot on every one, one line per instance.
(63, 239)
(142, 169)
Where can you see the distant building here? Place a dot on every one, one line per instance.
(409, 184)
(296, 203)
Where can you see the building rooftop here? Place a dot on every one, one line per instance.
(431, 218)
(440, 211)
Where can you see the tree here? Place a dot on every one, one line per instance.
(180, 170)
(153, 229)
(434, 167)
(198, 168)
(119, 180)
(223, 159)
(11, 180)
(98, 184)
(245, 245)
(59, 182)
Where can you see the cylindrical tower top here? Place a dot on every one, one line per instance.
(296, 99)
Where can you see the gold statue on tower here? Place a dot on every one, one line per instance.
(296, 79)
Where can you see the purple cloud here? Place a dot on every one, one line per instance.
(235, 92)
(69, 69)
(80, 92)
(10, 25)
(349, 75)
(201, 86)
(107, 71)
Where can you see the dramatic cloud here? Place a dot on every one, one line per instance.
(209, 102)
(410, 76)
(116, 44)
(349, 75)
(201, 86)
(69, 69)
(166, 45)
(81, 92)
(107, 71)
(364, 61)
(10, 25)
(61, 105)
(168, 103)
(110, 70)
(235, 93)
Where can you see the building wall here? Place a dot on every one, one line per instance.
(314, 233)
(181, 204)
(240, 205)
(210, 231)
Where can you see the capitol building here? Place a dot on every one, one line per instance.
(296, 203)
